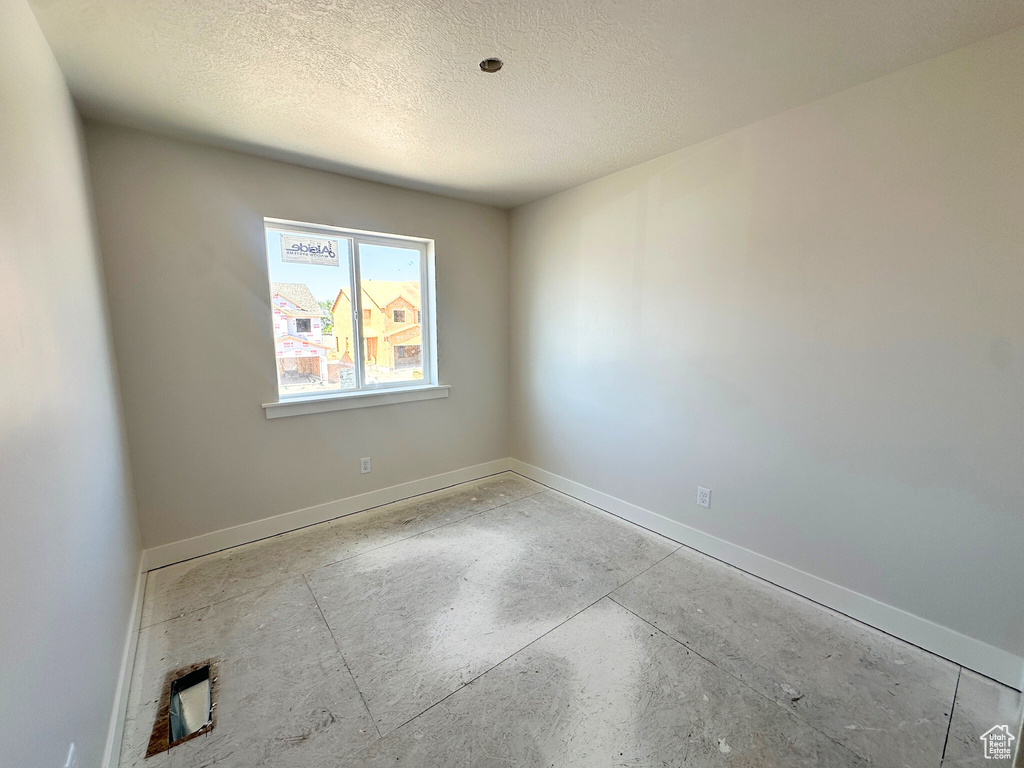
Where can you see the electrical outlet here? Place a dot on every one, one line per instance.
(704, 497)
(72, 761)
(364, 465)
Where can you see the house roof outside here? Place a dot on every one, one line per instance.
(414, 341)
(400, 302)
(299, 295)
(290, 312)
(384, 292)
(289, 337)
(400, 334)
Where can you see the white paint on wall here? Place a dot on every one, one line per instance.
(69, 547)
(820, 317)
(181, 223)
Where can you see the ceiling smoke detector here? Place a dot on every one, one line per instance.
(491, 65)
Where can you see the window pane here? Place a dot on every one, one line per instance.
(391, 291)
(310, 290)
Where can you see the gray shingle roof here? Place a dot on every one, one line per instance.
(298, 294)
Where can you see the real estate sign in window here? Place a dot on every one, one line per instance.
(330, 338)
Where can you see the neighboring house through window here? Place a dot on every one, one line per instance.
(369, 343)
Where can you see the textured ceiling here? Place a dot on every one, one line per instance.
(391, 90)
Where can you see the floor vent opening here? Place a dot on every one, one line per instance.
(186, 709)
(190, 704)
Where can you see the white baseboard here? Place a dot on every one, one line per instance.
(967, 651)
(112, 750)
(974, 654)
(175, 552)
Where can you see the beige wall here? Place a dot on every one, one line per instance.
(820, 317)
(182, 237)
(69, 548)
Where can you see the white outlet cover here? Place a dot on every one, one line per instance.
(704, 497)
(364, 466)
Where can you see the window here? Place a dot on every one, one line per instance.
(324, 284)
(418, 316)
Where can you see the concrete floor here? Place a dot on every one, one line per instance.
(497, 623)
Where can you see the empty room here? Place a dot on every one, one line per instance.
(511, 384)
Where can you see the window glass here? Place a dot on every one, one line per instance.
(390, 281)
(326, 339)
(307, 275)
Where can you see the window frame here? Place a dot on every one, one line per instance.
(356, 238)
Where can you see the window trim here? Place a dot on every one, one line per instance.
(354, 399)
(356, 237)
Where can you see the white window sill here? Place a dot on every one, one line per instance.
(362, 399)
